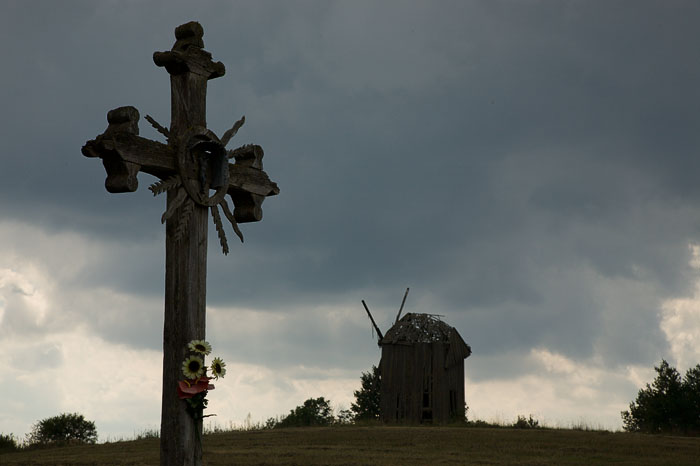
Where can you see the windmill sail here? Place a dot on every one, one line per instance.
(379, 332)
(398, 316)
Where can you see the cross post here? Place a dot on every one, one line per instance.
(193, 169)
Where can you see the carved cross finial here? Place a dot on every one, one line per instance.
(189, 34)
(188, 54)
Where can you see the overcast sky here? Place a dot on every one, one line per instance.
(529, 168)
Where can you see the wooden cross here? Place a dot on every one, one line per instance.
(194, 170)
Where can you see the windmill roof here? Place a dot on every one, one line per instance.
(427, 328)
(415, 328)
(418, 328)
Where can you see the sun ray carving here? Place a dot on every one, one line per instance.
(165, 185)
(232, 132)
(183, 200)
(184, 219)
(231, 218)
(219, 228)
(161, 129)
(180, 197)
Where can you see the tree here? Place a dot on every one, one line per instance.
(691, 408)
(367, 399)
(314, 412)
(669, 404)
(63, 429)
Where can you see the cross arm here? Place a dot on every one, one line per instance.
(247, 173)
(144, 155)
(248, 183)
(124, 153)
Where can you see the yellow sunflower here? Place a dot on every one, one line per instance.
(218, 368)
(199, 346)
(193, 367)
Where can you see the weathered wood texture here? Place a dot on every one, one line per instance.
(192, 163)
(185, 320)
(422, 369)
(185, 256)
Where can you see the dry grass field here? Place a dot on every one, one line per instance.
(393, 446)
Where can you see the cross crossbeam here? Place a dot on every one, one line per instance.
(124, 154)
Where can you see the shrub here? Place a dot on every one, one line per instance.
(147, 434)
(669, 404)
(526, 423)
(344, 417)
(368, 398)
(314, 412)
(482, 423)
(63, 429)
(460, 417)
(271, 423)
(8, 442)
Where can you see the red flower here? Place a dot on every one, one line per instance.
(189, 388)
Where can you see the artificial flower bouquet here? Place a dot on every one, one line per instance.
(196, 384)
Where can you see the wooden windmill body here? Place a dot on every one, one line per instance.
(422, 370)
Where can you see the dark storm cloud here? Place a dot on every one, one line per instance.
(526, 167)
(556, 148)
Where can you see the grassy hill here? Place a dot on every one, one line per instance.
(393, 446)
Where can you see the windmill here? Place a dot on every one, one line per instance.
(422, 369)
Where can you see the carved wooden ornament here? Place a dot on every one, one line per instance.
(194, 162)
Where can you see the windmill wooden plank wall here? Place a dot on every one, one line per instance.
(422, 369)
